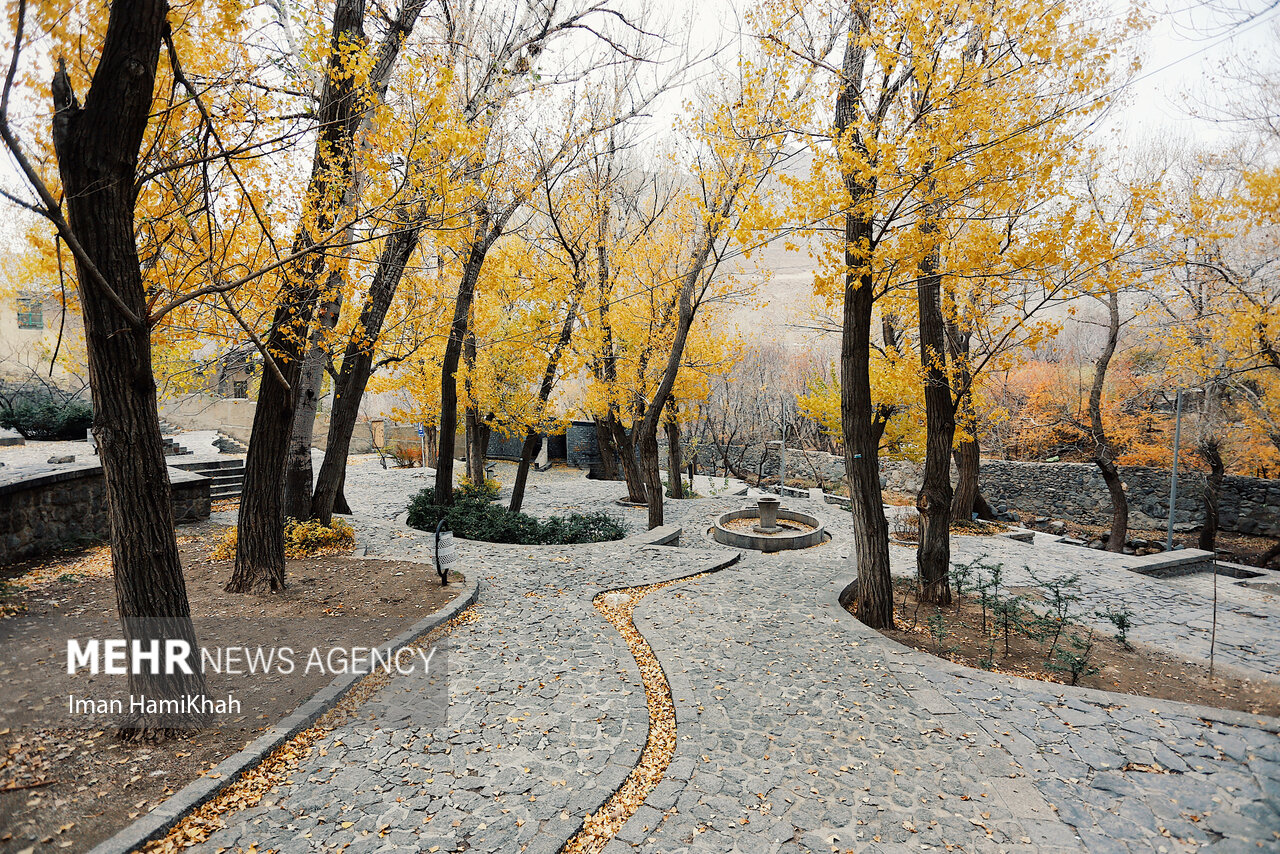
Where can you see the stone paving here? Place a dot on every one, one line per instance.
(798, 728)
(1174, 615)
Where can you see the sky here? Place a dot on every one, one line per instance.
(1181, 84)
(1185, 54)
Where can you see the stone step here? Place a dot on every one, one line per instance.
(204, 466)
(173, 449)
(226, 477)
(227, 445)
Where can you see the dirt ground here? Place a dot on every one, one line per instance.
(70, 788)
(1137, 670)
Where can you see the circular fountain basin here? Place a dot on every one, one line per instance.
(787, 537)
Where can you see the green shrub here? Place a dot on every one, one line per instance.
(472, 517)
(47, 417)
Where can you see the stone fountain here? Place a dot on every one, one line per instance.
(776, 529)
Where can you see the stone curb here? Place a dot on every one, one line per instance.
(1005, 680)
(157, 823)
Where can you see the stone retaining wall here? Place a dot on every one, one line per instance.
(47, 508)
(1069, 491)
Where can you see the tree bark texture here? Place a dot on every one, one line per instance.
(608, 452)
(299, 475)
(1210, 450)
(357, 367)
(933, 554)
(674, 464)
(1104, 455)
(646, 442)
(260, 549)
(449, 368)
(97, 149)
(873, 597)
(967, 453)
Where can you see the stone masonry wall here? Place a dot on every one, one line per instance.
(1072, 491)
(46, 508)
(1249, 505)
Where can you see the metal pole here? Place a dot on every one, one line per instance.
(1173, 480)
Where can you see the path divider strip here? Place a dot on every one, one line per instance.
(617, 606)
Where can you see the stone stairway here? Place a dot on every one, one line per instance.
(227, 445)
(226, 476)
(173, 449)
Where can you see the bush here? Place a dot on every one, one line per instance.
(47, 417)
(467, 489)
(472, 517)
(301, 539)
(405, 456)
(304, 539)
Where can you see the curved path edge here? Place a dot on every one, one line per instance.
(1008, 680)
(1034, 807)
(158, 822)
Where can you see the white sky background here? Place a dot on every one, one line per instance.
(1185, 76)
(1182, 84)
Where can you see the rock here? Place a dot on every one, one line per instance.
(1057, 527)
(59, 460)
(1097, 544)
(1042, 520)
(1128, 550)
(10, 437)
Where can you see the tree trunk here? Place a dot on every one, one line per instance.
(672, 428)
(632, 472)
(933, 553)
(299, 476)
(873, 599)
(1210, 451)
(357, 367)
(545, 387)
(449, 368)
(260, 548)
(431, 438)
(964, 503)
(527, 451)
(478, 431)
(646, 437)
(97, 150)
(967, 452)
(608, 453)
(340, 501)
(1103, 453)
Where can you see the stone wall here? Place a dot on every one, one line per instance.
(1069, 491)
(503, 447)
(1249, 505)
(47, 508)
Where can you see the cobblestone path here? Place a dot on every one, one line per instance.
(797, 728)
